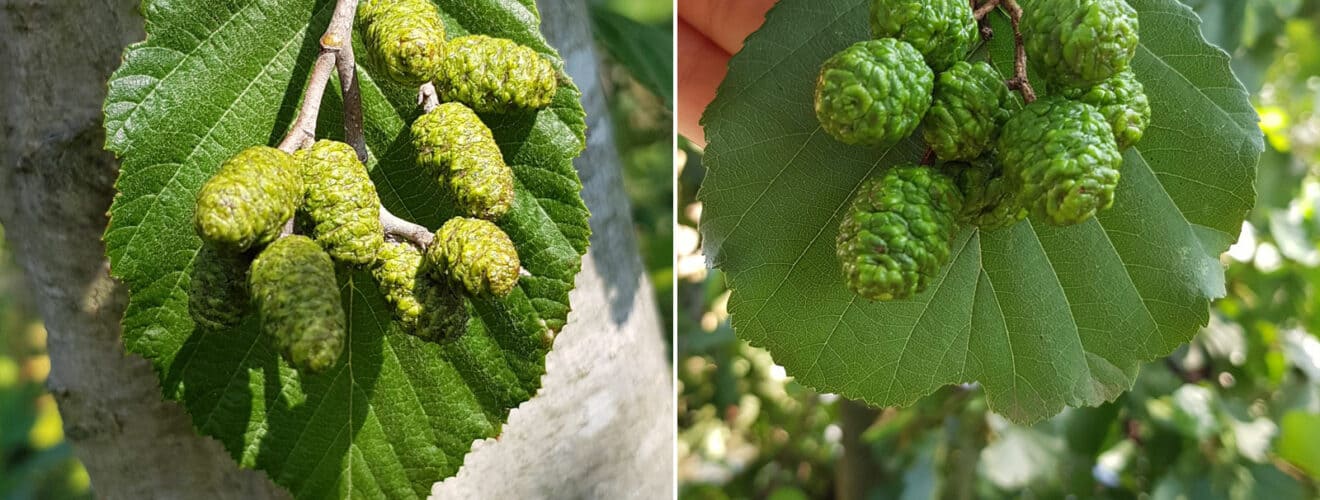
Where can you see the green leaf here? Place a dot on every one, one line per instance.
(396, 414)
(1043, 317)
(1299, 441)
(646, 50)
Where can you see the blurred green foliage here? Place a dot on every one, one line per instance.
(643, 129)
(35, 462)
(1233, 415)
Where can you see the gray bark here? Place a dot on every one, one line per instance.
(56, 183)
(602, 425)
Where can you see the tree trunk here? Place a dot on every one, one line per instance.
(602, 425)
(857, 472)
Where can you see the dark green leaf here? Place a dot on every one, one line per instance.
(1042, 316)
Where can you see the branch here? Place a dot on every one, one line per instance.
(401, 229)
(984, 9)
(928, 158)
(427, 98)
(337, 55)
(1019, 82)
(983, 24)
(348, 84)
(336, 40)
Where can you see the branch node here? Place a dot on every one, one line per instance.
(1019, 82)
(984, 9)
(332, 41)
(427, 97)
(401, 229)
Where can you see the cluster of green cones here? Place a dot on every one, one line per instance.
(1000, 160)
(276, 227)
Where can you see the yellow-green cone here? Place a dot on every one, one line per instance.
(405, 39)
(477, 254)
(429, 309)
(218, 292)
(294, 288)
(248, 201)
(342, 203)
(495, 75)
(453, 140)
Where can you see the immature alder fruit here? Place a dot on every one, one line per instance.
(1063, 156)
(218, 292)
(293, 285)
(405, 39)
(453, 141)
(1079, 42)
(896, 235)
(248, 201)
(495, 75)
(341, 203)
(1122, 99)
(990, 200)
(369, 9)
(942, 30)
(970, 104)
(873, 93)
(476, 254)
(430, 309)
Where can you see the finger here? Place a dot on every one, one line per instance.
(725, 22)
(701, 68)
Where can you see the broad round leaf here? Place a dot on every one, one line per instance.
(396, 414)
(1041, 316)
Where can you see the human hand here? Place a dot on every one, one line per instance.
(709, 33)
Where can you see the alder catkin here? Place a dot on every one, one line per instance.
(452, 140)
(341, 203)
(248, 201)
(297, 297)
(218, 292)
(426, 308)
(477, 254)
(405, 39)
(895, 238)
(495, 75)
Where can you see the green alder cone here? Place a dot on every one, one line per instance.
(1063, 156)
(942, 30)
(248, 201)
(970, 105)
(426, 308)
(873, 93)
(405, 39)
(990, 200)
(896, 236)
(495, 75)
(1122, 99)
(369, 9)
(476, 254)
(1079, 43)
(218, 294)
(453, 140)
(297, 297)
(341, 203)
